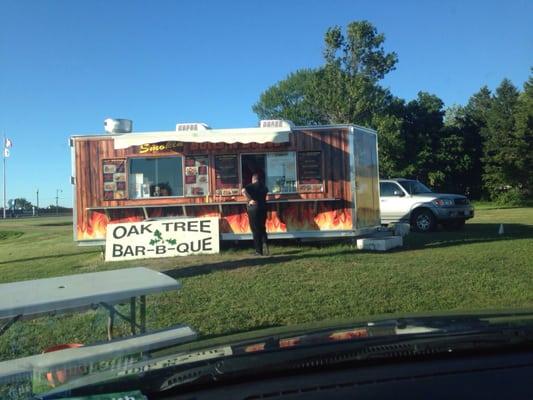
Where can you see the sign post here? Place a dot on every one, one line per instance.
(162, 238)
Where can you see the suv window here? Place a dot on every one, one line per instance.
(387, 189)
(415, 187)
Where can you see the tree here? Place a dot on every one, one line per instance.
(22, 203)
(291, 99)
(391, 140)
(361, 51)
(478, 108)
(454, 116)
(472, 122)
(483, 147)
(453, 162)
(433, 149)
(502, 156)
(468, 123)
(423, 120)
(523, 136)
(344, 90)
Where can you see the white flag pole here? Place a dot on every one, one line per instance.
(4, 159)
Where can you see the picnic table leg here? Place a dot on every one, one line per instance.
(133, 315)
(143, 313)
(110, 321)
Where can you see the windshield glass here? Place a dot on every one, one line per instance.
(414, 187)
(182, 176)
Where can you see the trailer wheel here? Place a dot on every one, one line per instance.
(423, 220)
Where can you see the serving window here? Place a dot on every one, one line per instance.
(277, 169)
(155, 177)
(178, 176)
(227, 175)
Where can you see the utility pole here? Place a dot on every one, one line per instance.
(57, 200)
(37, 201)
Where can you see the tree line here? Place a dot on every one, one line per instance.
(483, 149)
(23, 205)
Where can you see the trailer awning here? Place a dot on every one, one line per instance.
(247, 135)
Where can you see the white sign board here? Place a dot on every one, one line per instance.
(162, 238)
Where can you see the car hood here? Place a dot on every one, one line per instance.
(217, 357)
(432, 196)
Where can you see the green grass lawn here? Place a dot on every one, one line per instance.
(473, 269)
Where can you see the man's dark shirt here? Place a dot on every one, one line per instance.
(258, 192)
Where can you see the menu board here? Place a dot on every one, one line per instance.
(196, 176)
(114, 174)
(227, 175)
(310, 177)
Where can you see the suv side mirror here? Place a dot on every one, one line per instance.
(398, 193)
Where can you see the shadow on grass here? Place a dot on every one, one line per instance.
(47, 257)
(472, 233)
(204, 269)
(251, 262)
(68, 223)
(5, 235)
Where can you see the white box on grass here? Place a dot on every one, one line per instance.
(380, 244)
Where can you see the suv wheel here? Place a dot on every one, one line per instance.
(423, 221)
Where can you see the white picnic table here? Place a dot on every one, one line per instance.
(73, 293)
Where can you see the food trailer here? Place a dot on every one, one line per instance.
(323, 180)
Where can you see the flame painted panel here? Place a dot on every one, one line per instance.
(282, 217)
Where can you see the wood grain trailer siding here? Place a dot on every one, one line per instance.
(90, 152)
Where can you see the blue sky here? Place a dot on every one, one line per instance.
(65, 66)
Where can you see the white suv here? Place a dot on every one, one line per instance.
(406, 200)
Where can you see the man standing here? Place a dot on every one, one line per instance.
(256, 193)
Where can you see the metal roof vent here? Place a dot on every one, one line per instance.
(275, 123)
(114, 126)
(196, 126)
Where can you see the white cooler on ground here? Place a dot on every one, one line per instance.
(380, 244)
